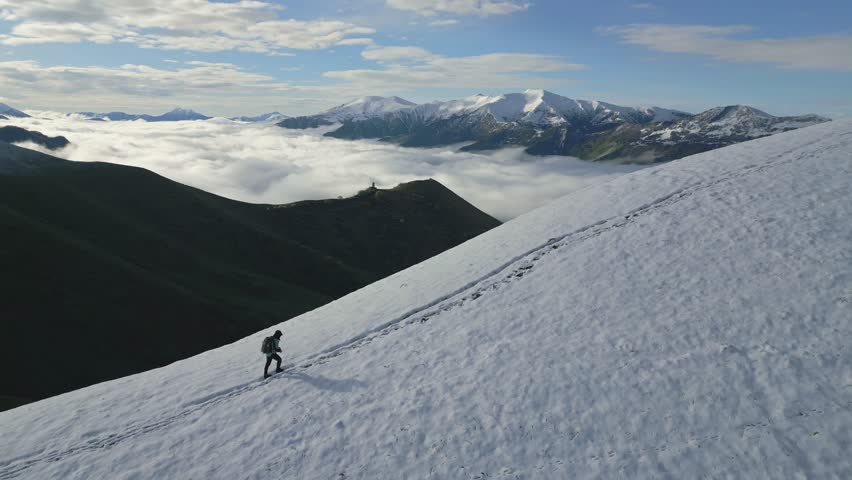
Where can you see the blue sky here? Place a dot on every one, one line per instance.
(249, 57)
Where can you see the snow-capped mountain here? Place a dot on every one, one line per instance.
(266, 117)
(111, 116)
(366, 107)
(541, 108)
(550, 124)
(176, 115)
(8, 111)
(717, 127)
(358, 109)
(731, 122)
(685, 321)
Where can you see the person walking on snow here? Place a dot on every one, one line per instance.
(271, 349)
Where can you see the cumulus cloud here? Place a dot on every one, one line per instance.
(197, 25)
(482, 8)
(414, 67)
(268, 164)
(823, 52)
(222, 87)
(228, 89)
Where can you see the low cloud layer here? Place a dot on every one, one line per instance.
(268, 164)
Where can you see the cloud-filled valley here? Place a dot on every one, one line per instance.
(263, 163)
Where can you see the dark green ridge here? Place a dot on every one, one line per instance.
(109, 270)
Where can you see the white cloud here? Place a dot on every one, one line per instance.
(228, 89)
(212, 88)
(197, 25)
(443, 23)
(268, 164)
(415, 67)
(482, 8)
(356, 41)
(129, 85)
(824, 52)
(643, 6)
(391, 54)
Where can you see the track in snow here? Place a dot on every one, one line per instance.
(511, 271)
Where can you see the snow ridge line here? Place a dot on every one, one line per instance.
(11, 470)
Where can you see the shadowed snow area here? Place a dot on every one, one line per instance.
(263, 163)
(684, 321)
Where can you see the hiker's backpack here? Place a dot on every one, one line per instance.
(268, 345)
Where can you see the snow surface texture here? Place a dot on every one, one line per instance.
(684, 321)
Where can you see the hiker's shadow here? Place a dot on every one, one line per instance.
(325, 383)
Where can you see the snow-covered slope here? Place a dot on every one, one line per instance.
(724, 124)
(684, 321)
(359, 109)
(540, 108)
(549, 124)
(266, 117)
(366, 107)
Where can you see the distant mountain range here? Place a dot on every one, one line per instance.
(359, 109)
(549, 124)
(7, 111)
(119, 270)
(266, 117)
(12, 134)
(178, 114)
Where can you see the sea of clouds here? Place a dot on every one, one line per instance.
(263, 163)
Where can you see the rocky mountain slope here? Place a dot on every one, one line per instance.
(549, 124)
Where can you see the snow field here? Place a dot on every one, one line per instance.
(686, 321)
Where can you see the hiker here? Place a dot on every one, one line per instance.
(271, 349)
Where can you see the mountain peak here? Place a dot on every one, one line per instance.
(183, 111)
(539, 92)
(266, 117)
(364, 107)
(176, 115)
(11, 111)
(375, 99)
